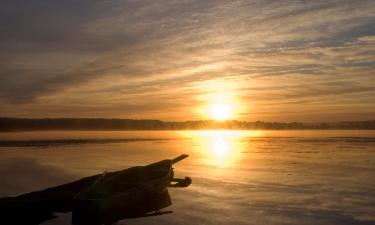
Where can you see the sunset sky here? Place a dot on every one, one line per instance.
(266, 60)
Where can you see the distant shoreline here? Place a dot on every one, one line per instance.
(101, 124)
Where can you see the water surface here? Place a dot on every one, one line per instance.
(239, 177)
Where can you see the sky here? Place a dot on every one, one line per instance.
(267, 60)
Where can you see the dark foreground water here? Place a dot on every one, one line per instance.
(239, 177)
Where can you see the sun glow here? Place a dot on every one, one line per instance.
(221, 111)
(220, 100)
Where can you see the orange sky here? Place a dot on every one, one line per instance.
(173, 60)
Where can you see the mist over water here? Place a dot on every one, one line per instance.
(239, 177)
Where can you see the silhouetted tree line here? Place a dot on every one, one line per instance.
(19, 124)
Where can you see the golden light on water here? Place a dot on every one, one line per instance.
(219, 148)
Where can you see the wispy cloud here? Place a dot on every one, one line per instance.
(123, 56)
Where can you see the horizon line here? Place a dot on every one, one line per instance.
(180, 121)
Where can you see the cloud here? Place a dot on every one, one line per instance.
(68, 51)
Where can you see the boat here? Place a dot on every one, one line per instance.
(105, 198)
(136, 192)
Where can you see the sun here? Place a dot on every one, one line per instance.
(221, 111)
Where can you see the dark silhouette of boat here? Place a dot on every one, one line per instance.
(101, 199)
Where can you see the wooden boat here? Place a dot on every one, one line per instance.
(134, 192)
(101, 199)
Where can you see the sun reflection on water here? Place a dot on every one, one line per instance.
(218, 148)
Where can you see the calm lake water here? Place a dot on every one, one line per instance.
(239, 177)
